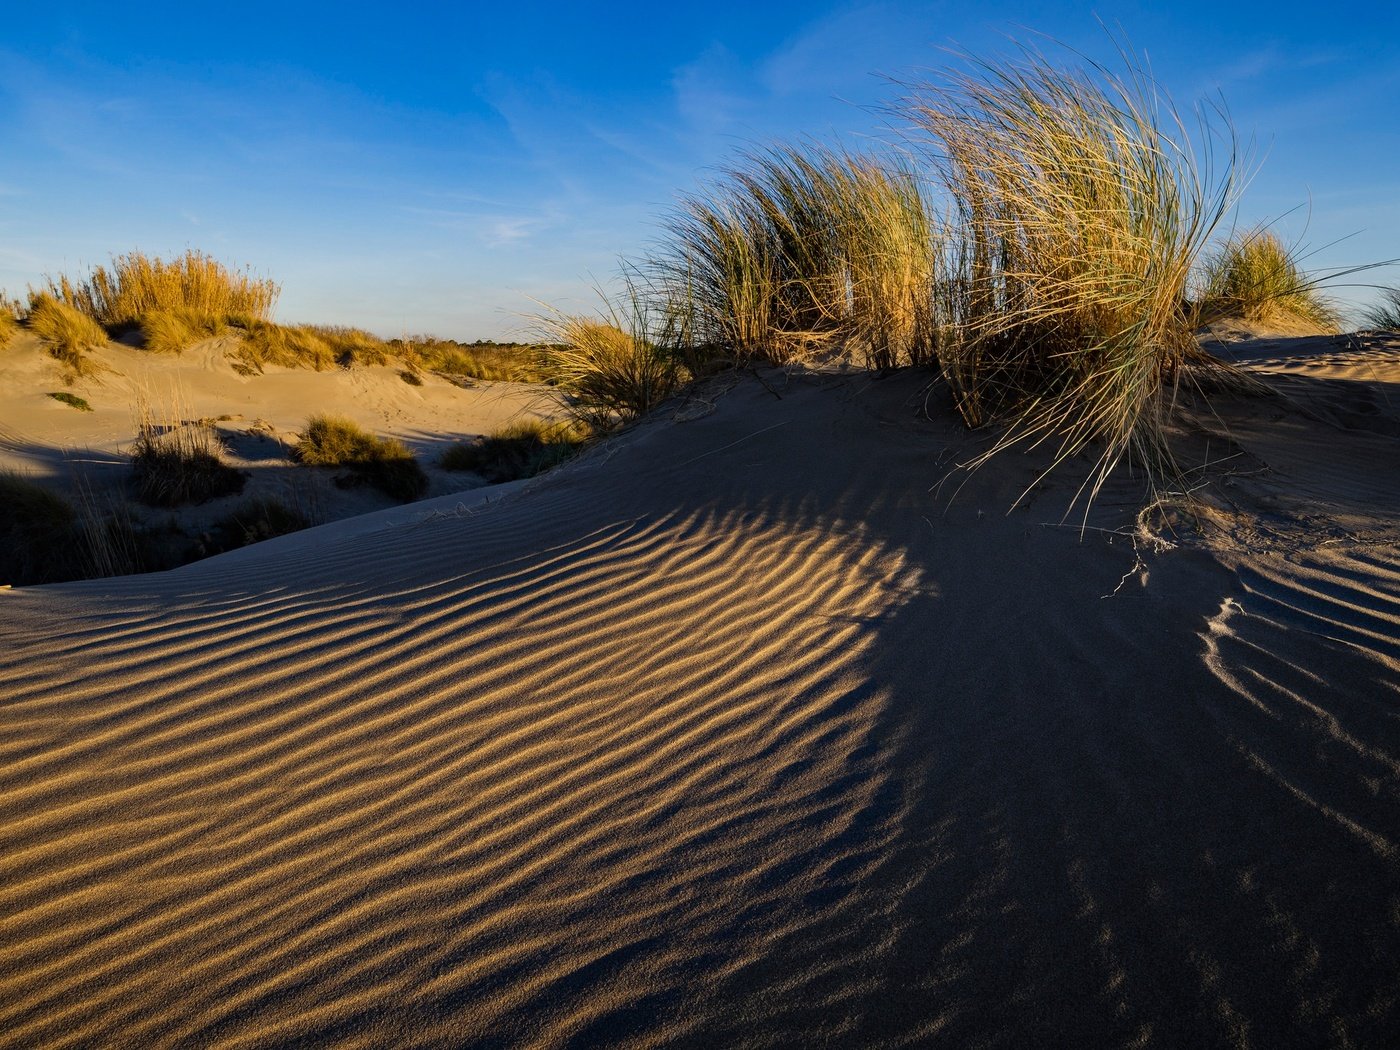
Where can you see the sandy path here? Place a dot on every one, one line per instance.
(734, 735)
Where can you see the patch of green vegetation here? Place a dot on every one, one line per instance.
(71, 399)
(517, 450)
(385, 463)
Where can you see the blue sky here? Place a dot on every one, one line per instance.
(437, 168)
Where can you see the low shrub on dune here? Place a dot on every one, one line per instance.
(520, 449)
(385, 463)
(71, 400)
(1254, 275)
(68, 333)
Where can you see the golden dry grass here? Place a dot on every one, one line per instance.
(136, 284)
(1254, 275)
(68, 333)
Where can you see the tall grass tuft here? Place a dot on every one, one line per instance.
(1255, 276)
(68, 333)
(1386, 313)
(612, 368)
(801, 249)
(1080, 207)
(137, 284)
(385, 463)
(179, 462)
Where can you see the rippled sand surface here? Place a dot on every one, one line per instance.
(737, 733)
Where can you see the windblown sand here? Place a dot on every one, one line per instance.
(742, 732)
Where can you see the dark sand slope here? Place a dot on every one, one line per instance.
(737, 736)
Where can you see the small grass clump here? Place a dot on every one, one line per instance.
(1385, 314)
(180, 463)
(136, 285)
(1255, 276)
(72, 400)
(518, 450)
(256, 520)
(385, 463)
(614, 368)
(410, 377)
(40, 534)
(68, 333)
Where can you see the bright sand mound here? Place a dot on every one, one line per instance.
(733, 734)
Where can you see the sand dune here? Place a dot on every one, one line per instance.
(739, 731)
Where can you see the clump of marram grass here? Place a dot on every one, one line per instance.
(610, 369)
(136, 285)
(1255, 276)
(44, 538)
(520, 449)
(68, 333)
(175, 330)
(385, 463)
(1384, 314)
(262, 343)
(71, 400)
(1079, 211)
(351, 347)
(805, 248)
(178, 463)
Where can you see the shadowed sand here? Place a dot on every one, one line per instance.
(735, 733)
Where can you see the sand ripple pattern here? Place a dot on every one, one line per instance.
(441, 805)
(672, 752)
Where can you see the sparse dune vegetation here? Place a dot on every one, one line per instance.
(520, 449)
